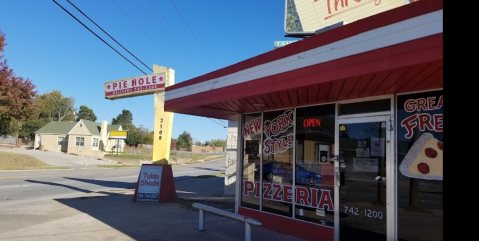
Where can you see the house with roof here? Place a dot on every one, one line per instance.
(86, 138)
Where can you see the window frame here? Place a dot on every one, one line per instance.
(78, 142)
(95, 142)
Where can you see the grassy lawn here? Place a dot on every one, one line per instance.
(134, 157)
(219, 174)
(15, 161)
(117, 166)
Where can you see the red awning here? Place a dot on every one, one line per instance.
(397, 51)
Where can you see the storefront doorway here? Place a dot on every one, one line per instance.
(364, 146)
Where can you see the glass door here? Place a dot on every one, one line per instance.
(361, 176)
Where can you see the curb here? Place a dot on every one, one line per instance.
(210, 199)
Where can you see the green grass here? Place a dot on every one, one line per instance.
(127, 156)
(194, 157)
(214, 158)
(117, 166)
(220, 174)
(15, 161)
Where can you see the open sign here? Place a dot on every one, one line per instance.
(312, 122)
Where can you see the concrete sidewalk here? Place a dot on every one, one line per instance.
(114, 216)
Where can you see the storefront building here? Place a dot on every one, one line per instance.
(340, 134)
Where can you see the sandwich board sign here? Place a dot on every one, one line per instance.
(149, 183)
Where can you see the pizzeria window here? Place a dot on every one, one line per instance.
(314, 162)
(278, 162)
(420, 174)
(252, 130)
(270, 140)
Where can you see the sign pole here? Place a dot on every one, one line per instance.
(163, 120)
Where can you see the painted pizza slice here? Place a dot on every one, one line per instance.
(424, 160)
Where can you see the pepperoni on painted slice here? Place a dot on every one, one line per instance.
(423, 168)
(439, 145)
(431, 153)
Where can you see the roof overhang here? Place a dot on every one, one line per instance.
(397, 51)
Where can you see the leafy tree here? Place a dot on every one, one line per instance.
(56, 107)
(184, 140)
(134, 137)
(70, 116)
(33, 123)
(86, 114)
(198, 143)
(16, 97)
(30, 126)
(143, 134)
(218, 143)
(148, 139)
(125, 119)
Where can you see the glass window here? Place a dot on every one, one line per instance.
(277, 167)
(365, 107)
(420, 159)
(60, 141)
(80, 141)
(252, 129)
(95, 142)
(315, 164)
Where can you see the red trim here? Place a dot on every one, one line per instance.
(348, 87)
(430, 80)
(404, 55)
(303, 95)
(313, 93)
(361, 84)
(167, 189)
(293, 97)
(136, 188)
(324, 91)
(376, 21)
(334, 90)
(288, 226)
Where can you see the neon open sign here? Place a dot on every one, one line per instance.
(312, 122)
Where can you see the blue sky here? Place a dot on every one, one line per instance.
(53, 50)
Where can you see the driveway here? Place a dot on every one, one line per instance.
(61, 159)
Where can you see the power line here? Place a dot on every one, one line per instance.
(99, 37)
(193, 34)
(217, 123)
(108, 35)
(177, 35)
(163, 33)
(149, 36)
